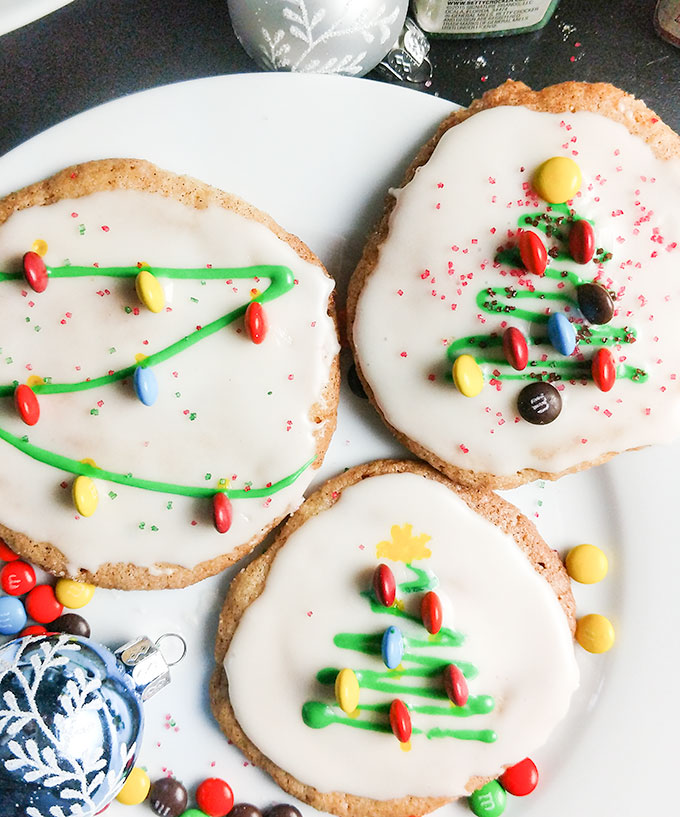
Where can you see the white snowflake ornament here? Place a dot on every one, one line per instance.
(318, 36)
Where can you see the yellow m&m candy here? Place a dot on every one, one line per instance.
(135, 788)
(85, 496)
(467, 376)
(595, 633)
(586, 564)
(347, 690)
(149, 291)
(557, 180)
(73, 594)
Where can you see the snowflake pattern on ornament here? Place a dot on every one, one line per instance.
(308, 30)
(51, 697)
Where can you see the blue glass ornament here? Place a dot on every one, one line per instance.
(71, 721)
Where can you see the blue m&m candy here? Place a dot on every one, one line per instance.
(146, 385)
(561, 333)
(392, 647)
(12, 615)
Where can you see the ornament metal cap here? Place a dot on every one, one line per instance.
(143, 662)
(407, 60)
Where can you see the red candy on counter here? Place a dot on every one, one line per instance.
(582, 241)
(520, 779)
(17, 578)
(400, 720)
(604, 369)
(222, 512)
(384, 585)
(27, 404)
(6, 553)
(455, 685)
(431, 612)
(34, 629)
(515, 348)
(256, 322)
(42, 605)
(533, 252)
(35, 271)
(215, 797)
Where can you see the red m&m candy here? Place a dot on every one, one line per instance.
(35, 271)
(431, 612)
(215, 797)
(6, 553)
(604, 369)
(27, 404)
(256, 322)
(455, 685)
(515, 348)
(520, 779)
(222, 512)
(33, 629)
(533, 252)
(384, 585)
(17, 578)
(582, 241)
(400, 721)
(42, 604)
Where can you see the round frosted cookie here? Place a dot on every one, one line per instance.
(514, 315)
(169, 374)
(500, 615)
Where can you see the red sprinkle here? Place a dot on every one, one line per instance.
(384, 585)
(431, 612)
(6, 553)
(582, 241)
(256, 322)
(222, 512)
(515, 348)
(42, 605)
(520, 779)
(35, 271)
(455, 685)
(604, 369)
(26, 403)
(400, 720)
(215, 797)
(17, 578)
(533, 252)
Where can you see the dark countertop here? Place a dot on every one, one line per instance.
(92, 51)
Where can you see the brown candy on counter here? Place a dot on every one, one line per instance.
(282, 810)
(595, 303)
(539, 403)
(245, 810)
(168, 797)
(71, 623)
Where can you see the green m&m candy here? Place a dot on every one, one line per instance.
(489, 801)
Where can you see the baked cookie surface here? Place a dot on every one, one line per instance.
(442, 278)
(305, 610)
(159, 410)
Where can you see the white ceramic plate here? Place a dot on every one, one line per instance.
(17, 13)
(318, 153)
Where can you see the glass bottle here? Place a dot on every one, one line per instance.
(482, 18)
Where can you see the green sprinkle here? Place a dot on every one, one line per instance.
(192, 416)
(128, 309)
(28, 320)
(194, 300)
(178, 394)
(36, 328)
(81, 229)
(112, 494)
(169, 505)
(208, 477)
(154, 528)
(9, 360)
(94, 412)
(24, 439)
(112, 350)
(142, 525)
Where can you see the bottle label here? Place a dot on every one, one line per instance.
(480, 16)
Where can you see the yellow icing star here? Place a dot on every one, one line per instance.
(403, 546)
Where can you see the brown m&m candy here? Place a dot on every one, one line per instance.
(595, 303)
(168, 797)
(539, 403)
(282, 810)
(71, 623)
(245, 810)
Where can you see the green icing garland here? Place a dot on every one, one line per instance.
(281, 281)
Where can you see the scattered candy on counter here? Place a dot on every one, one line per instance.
(71, 623)
(489, 801)
(17, 578)
(135, 789)
(168, 797)
(520, 779)
(244, 810)
(73, 594)
(12, 615)
(215, 797)
(586, 564)
(6, 553)
(42, 604)
(282, 810)
(595, 633)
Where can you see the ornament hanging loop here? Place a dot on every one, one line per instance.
(183, 647)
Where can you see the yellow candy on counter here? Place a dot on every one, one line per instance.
(467, 376)
(85, 496)
(595, 633)
(586, 564)
(149, 291)
(73, 594)
(557, 180)
(135, 789)
(347, 690)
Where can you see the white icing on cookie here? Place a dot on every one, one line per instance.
(226, 408)
(444, 233)
(516, 634)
